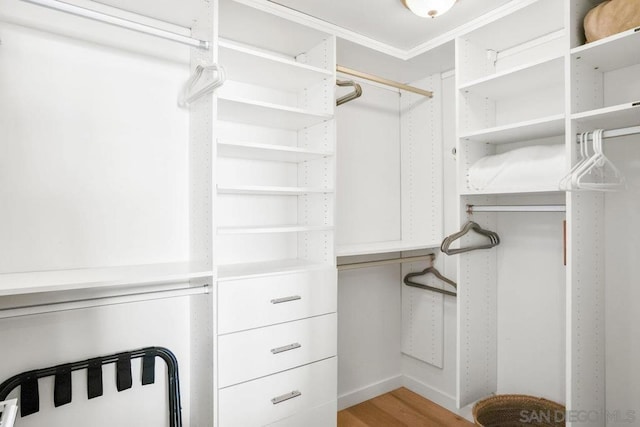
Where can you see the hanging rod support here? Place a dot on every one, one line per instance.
(390, 261)
(516, 208)
(383, 81)
(28, 310)
(613, 133)
(119, 22)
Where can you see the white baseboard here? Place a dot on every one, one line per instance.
(369, 392)
(376, 389)
(436, 396)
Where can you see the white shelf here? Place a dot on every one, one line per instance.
(270, 191)
(269, 152)
(522, 131)
(273, 229)
(67, 280)
(266, 114)
(617, 116)
(245, 64)
(513, 191)
(519, 80)
(383, 247)
(611, 53)
(271, 268)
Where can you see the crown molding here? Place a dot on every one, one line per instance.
(403, 54)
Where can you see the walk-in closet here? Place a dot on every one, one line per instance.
(305, 213)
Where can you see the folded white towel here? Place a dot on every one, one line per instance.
(538, 166)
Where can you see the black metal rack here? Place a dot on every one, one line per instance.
(28, 381)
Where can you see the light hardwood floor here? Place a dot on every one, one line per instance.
(399, 408)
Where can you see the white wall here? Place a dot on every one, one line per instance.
(41, 341)
(622, 239)
(369, 300)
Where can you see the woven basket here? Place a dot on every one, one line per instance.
(516, 410)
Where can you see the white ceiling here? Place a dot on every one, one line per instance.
(388, 21)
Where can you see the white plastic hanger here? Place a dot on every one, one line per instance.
(605, 176)
(189, 94)
(565, 182)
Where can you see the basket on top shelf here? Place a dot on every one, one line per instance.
(515, 410)
(611, 17)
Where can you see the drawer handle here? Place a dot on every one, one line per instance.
(285, 348)
(285, 397)
(285, 299)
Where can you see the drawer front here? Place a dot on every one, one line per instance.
(322, 416)
(246, 355)
(277, 397)
(256, 302)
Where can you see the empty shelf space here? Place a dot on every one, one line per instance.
(273, 229)
(617, 116)
(522, 131)
(270, 191)
(269, 152)
(266, 114)
(66, 280)
(383, 247)
(519, 80)
(269, 268)
(611, 53)
(245, 64)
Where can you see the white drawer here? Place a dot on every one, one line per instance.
(251, 354)
(252, 303)
(321, 416)
(250, 404)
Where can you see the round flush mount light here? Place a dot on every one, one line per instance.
(429, 8)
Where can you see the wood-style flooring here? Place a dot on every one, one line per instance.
(399, 408)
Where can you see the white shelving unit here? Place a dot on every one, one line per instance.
(511, 95)
(107, 187)
(269, 152)
(521, 80)
(527, 130)
(244, 110)
(271, 191)
(123, 276)
(275, 213)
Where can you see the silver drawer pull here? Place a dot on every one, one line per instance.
(285, 348)
(285, 299)
(285, 397)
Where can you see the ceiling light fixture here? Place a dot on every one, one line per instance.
(429, 8)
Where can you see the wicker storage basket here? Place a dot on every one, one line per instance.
(517, 410)
(611, 17)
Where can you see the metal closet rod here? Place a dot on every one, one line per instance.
(383, 81)
(77, 304)
(120, 22)
(516, 208)
(613, 133)
(390, 261)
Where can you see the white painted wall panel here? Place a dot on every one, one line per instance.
(41, 341)
(368, 167)
(93, 154)
(622, 243)
(368, 327)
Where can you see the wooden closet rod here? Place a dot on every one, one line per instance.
(383, 81)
